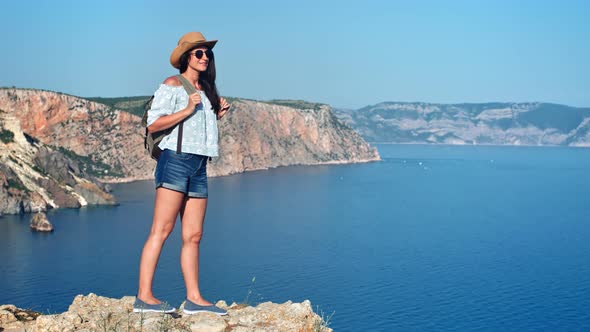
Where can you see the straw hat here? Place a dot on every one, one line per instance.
(187, 42)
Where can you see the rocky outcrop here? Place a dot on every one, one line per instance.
(15, 318)
(97, 313)
(15, 197)
(39, 223)
(105, 142)
(254, 135)
(35, 177)
(490, 123)
(259, 135)
(71, 138)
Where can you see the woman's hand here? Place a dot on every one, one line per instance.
(224, 107)
(193, 100)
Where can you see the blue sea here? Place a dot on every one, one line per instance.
(432, 238)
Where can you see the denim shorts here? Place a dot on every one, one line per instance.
(184, 172)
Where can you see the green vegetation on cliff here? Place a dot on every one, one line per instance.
(135, 105)
(297, 104)
(6, 136)
(91, 165)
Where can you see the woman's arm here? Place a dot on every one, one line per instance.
(167, 121)
(170, 120)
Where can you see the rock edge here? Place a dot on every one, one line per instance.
(97, 313)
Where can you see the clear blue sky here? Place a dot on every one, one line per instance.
(345, 53)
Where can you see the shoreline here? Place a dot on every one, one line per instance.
(145, 178)
(499, 145)
(125, 180)
(321, 163)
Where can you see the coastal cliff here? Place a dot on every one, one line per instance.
(109, 142)
(486, 123)
(98, 313)
(35, 177)
(259, 135)
(68, 136)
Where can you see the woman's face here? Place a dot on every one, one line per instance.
(199, 60)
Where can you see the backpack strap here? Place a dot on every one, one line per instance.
(188, 86)
(190, 89)
(179, 139)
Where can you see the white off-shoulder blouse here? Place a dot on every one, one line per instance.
(200, 134)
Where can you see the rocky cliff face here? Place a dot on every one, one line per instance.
(70, 137)
(107, 142)
(258, 135)
(491, 123)
(35, 177)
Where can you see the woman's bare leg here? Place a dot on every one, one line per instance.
(166, 207)
(192, 215)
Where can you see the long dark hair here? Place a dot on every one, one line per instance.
(206, 79)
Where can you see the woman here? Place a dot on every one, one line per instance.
(181, 178)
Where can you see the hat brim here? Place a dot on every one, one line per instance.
(180, 49)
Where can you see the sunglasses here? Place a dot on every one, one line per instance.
(199, 54)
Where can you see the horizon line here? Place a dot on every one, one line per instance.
(316, 102)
